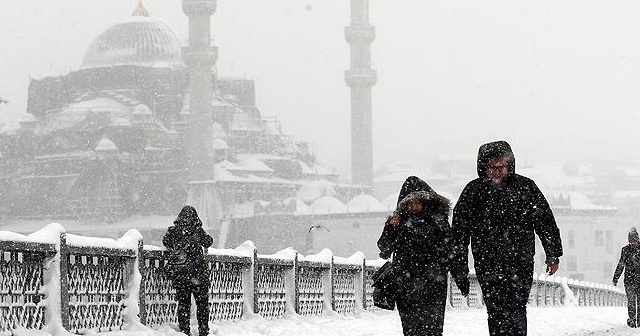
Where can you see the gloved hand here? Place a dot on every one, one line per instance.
(615, 282)
(463, 285)
(552, 268)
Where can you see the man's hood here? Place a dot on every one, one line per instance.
(494, 149)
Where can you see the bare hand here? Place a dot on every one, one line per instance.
(394, 219)
(552, 268)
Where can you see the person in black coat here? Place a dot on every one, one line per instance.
(418, 235)
(499, 213)
(630, 264)
(187, 235)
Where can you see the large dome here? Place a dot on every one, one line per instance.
(141, 41)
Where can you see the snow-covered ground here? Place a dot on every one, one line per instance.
(549, 321)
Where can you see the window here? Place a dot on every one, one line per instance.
(599, 238)
(572, 263)
(571, 239)
(608, 269)
(608, 242)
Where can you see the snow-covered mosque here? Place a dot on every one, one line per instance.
(110, 140)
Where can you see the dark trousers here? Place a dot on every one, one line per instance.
(421, 309)
(506, 300)
(183, 296)
(632, 305)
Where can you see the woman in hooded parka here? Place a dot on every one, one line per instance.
(188, 235)
(418, 235)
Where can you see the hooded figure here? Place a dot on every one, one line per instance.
(418, 235)
(630, 264)
(187, 235)
(499, 214)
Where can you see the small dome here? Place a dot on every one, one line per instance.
(219, 144)
(365, 203)
(96, 109)
(142, 109)
(313, 190)
(140, 41)
(105, 145)
(123, 122)
(328, 205)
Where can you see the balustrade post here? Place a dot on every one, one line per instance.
(296, 284)
(64, 281)
(254, 264)
(363, 287)
(327, 279)
(248, 287)
(142, 306)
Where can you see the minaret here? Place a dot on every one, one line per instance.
(360, 78)
(200, 56)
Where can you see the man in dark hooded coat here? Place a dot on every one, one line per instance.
(499, 213)
(418, 235)
(630, 264)
(188, 235)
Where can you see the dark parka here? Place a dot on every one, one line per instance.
(630, 264)
(421, 248)
(187, 233)
(500, 221)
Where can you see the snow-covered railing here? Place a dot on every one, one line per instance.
(82, 284)
(22, 266)
(53, 280)
(93, 285)
(157, 296)
(243, 282)
(547, 290)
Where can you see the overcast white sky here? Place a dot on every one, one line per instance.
(558, 79)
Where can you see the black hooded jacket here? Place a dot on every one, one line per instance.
(500, 220)
(421, 242)
(188, 235)
(630, 264)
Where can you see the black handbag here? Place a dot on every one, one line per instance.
(385, 287)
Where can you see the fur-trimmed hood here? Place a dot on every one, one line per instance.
(414, 188)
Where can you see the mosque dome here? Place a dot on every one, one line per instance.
(141, 41)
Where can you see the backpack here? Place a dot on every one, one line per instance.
(178, 262)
